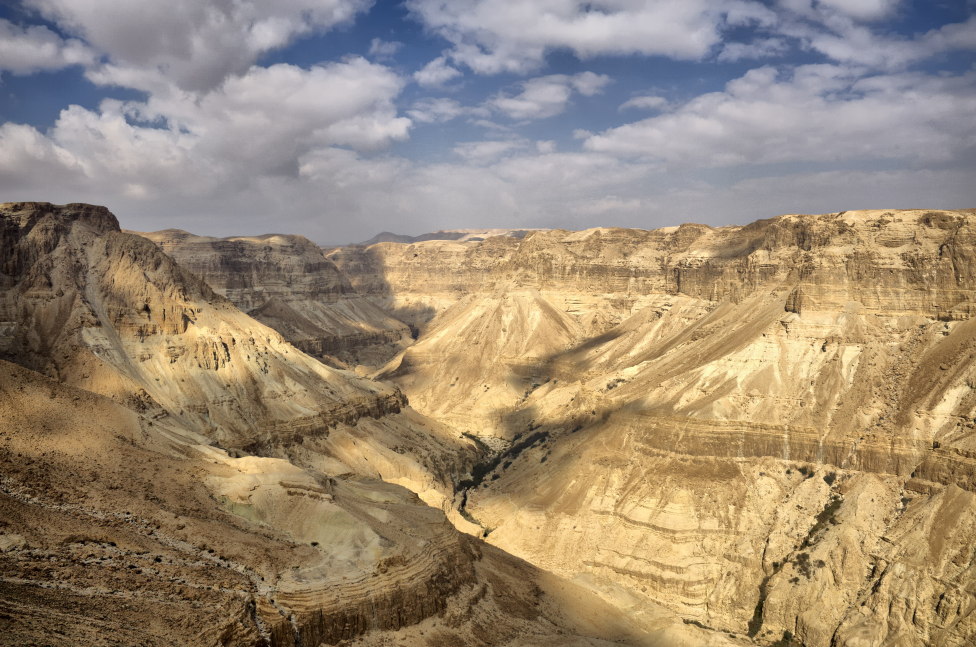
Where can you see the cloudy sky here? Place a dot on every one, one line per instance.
(341, 118)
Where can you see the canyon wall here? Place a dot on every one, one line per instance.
(174, 472)
(286, 283)
(768, 429)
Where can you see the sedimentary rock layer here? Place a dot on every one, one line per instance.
(121, 522)
(107, 311)
(768, 429)
(286, 283)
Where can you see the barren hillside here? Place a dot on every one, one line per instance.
(768, 429)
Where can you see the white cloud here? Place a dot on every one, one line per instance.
(547, 96)
(256, 126)
(24, 50)
(589, 83)
(487, 151)
(818, 113)
(647, 102)
(192, 44)
(841, 37)
(761, 48)
(863, 9)
(435, 110)
(493, 36)
(436, 73)
(384, 50)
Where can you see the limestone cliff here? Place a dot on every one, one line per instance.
(768, 429)
(107, 311)
(122, 523)
(286, 283)
(116, 531)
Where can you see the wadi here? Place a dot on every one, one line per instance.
(690, 435)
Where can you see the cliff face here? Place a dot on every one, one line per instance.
(115, 530)
(121, 522)
(889, 261)
(107, 311)
(768, 428)
(286, 283)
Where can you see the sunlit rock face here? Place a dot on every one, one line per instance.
(174, 472)
(286, 283)
(109, 312)
(767, 428)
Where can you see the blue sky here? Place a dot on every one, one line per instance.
(337, 119)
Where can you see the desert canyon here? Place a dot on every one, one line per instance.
(719, 436)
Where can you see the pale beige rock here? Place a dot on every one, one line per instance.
(107, 311)
(778, 413)
(286, 283)
(123, 525)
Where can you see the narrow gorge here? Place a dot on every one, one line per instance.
(722, 436)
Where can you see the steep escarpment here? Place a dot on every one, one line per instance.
(107, 311)
(767, 429)
(886, 260)
(286, 283)
(173, 472)
(115, 531)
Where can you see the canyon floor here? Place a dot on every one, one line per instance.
(756, 435)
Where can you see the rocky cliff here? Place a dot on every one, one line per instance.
(114, 530)
(107, 311)
(174, 472)
(767, 428)
(286, 283)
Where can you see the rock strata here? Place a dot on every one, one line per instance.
(108, 311)
(135, 507)
(763, 428)
(286, 283)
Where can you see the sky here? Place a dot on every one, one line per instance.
(338, 119)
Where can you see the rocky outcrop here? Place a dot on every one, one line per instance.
(888, 261)
(286, 283)
(114, 530)
(121, 522)
(107, 311)
(763, 428)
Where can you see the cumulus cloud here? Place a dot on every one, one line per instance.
(24, 50)
(844, 37)
(646, 102)
(258, 125)
(814, 113)
(493, 36)
(863, 9)
(547, 96)
(758, 49)
(436, 73)
(192, 44)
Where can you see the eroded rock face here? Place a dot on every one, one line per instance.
(113, 531)
(286, 283)
(764, 428)
(122, 523)
(107, 311)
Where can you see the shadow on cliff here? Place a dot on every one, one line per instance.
(361, 261)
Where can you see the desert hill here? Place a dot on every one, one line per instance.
(286, 283)
(767, 429)
(757, 435)
(450, 234)
(173, 472)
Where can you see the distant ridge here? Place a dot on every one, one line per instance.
(448, 234)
